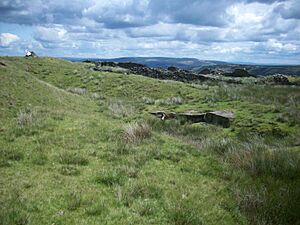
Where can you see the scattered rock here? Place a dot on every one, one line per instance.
(172, 73)
(281, 79)
(163, 115)
(221, 118)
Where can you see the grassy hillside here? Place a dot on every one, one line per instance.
(79, 147)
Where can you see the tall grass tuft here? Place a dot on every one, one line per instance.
(119, 109)
(136, 132)
(184, 212)
(13, 208)
(171, 101)
(76, 90)
(72, 159)
(279, 163)
(148, 100)
(74, 200)
(110, 177)
(26, 118)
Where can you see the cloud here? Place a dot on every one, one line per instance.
(119, 13)
(51, 34)
(215, 29)
(273, 44)
(6, 39)
(289, 10)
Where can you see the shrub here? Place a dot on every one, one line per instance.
(136, 132)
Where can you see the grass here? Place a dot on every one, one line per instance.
(13, 209)
(74, 201)
(110, 177)
(26, 118)
(136, 132)
(183, 213)
(79, 91)
(96, 209)
(119, 109)
(95, 154)
(72, 158)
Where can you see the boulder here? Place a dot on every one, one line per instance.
(221, 118)
(192, 117)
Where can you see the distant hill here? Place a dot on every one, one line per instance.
(156, 62)
(198, 65)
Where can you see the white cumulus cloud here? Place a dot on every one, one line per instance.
(6, 39)
(51, 34)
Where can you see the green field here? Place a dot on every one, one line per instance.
(80, 147)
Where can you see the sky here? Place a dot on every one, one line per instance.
(256, 31)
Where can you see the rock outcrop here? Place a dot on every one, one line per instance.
(281, 79)
(220, 118)
(172, 73)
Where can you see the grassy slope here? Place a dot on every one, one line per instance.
(72, 165)
(68, 168)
